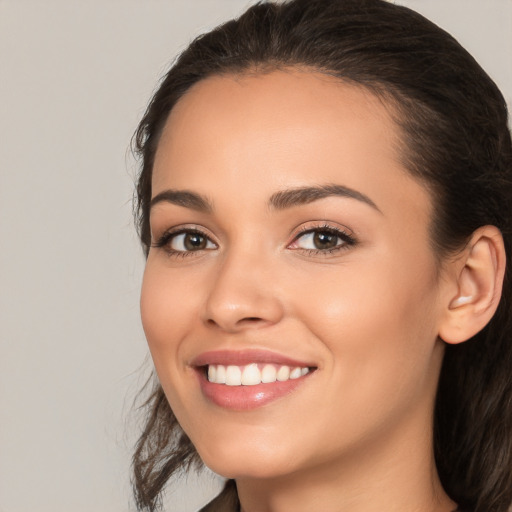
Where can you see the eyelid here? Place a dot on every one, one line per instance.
(320, 225)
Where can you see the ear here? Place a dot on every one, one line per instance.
(474, 286)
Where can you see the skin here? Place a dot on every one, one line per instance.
(356, 435)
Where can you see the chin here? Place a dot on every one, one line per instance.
(243, 462)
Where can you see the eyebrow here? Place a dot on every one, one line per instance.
(304, 195)
(183, 198)
(281, 200)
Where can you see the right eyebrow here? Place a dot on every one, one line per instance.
(183, 198)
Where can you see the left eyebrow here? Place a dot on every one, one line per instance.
(304, 195)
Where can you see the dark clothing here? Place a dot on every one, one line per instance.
(226, 501)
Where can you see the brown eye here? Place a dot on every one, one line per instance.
(194, 241)
(319, 240)
(325, 240)
(189, 241)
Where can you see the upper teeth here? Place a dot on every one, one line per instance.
(252, 374)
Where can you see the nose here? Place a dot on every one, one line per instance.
(243, 295)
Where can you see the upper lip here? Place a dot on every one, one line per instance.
(245, 357)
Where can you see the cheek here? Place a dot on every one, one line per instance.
(167, 307)
(163, 305)
(374, 319)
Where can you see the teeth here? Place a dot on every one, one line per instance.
(295, 373)
(233, 376)
(220, 377)
(268, 374)
(283, 373)
(212, 373)
(252, 374)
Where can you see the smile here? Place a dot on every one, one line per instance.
(249, 379)
(253, 374)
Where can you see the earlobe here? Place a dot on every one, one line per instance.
(478, 285)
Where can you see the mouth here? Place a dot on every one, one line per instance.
(248, 379)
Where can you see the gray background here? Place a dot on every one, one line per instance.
(75, 77)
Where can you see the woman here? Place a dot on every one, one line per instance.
(325, 205)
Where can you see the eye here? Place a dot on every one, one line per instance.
(185, 241)
(190, 241)
(324, 239)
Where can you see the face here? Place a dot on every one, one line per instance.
(290, 265)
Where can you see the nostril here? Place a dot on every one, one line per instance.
(250, 320)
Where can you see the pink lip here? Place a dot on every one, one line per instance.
(244, 398)
(243, 357)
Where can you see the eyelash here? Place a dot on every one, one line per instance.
(347, 240)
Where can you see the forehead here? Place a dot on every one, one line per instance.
(265, 132)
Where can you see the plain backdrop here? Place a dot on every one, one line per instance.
(75, 77)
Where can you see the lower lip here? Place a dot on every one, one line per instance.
(244, 398)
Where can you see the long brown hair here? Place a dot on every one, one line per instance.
(455, 138)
